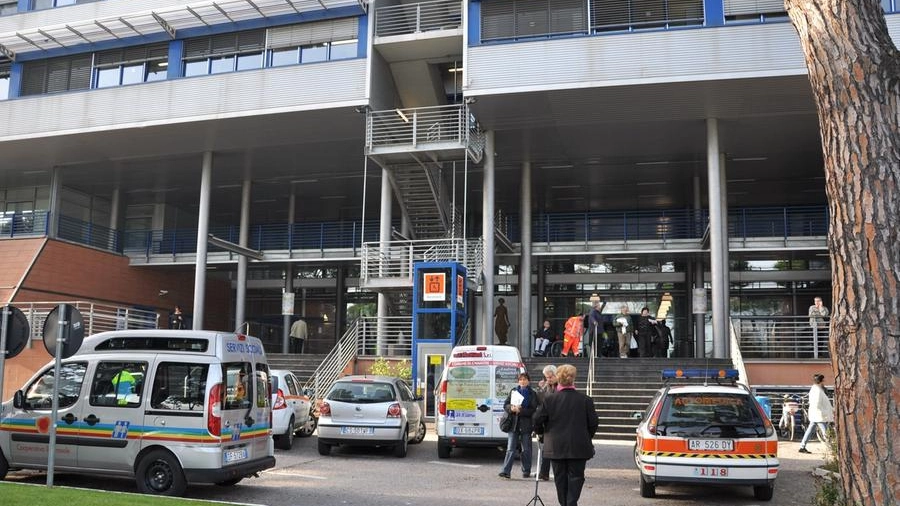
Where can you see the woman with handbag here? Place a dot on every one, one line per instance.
(520, 405)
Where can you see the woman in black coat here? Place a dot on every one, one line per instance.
(568, 421)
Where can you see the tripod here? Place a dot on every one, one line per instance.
(536, 500)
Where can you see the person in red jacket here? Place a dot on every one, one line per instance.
(572, 335)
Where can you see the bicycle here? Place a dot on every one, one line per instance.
(792, 416)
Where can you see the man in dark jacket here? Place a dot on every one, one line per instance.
(568, 421)
(644, 332)
(546, 387)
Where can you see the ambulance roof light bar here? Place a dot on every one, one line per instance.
(717, 374)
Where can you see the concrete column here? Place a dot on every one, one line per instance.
(525, 317)
(289, 272)
(487, 231)
(698, 319)
(243, 237)
(541, 290)
(55, 190)
(725, 280)
(384, 239)
(340, 305)
(202, 236)
(115, 205)
(718, 239)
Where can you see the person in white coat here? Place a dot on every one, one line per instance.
(820, 410)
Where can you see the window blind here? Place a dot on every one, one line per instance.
(313, 33)
(58, 74)
(497, 20)
(744, 7)
(225, 44)
(132, 54)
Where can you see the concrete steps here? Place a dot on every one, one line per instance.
(623, 388)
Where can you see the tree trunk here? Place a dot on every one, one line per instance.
(854, 72)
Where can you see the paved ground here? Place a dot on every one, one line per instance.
(368, 477)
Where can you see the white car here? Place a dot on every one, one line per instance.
(292, 412)
(370, 411)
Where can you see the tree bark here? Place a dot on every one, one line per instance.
(855, 72)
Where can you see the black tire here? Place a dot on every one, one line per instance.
(402, 448)
(648, 489)
(4, 466)
(324, 448)
(159, 473)
(420, 433)
(286, 441)
(764, 492)
(230, 483)
(443, 450)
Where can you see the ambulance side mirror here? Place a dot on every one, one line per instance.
(19, 399)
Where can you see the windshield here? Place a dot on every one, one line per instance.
(711, 415)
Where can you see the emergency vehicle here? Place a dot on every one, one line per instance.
(707, 434)
(165, 407)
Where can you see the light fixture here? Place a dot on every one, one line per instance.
(402, 115)
(741, 180)
(565, 186)
(362, 109)
(661, 162)
(455, 69)
(564, 166)
(750, 159)
(470, 100)
(305, 181)
(651, 183)
(163, 64)
(224, 186)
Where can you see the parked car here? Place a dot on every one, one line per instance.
(707, 435)
(292, 412)
(370, 411)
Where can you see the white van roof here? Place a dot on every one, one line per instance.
(204, 342)
(485, 355)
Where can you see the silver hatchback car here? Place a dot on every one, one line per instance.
(370, 411)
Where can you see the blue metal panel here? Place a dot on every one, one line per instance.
(474, 23)
(15, 80)
(362, 38)
(24, 5)
(714, 12)
(176, 50)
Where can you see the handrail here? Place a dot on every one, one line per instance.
(98, 317)
(334, 363)
(418, 17)
(737, 358)
(591, 364)
(385, 335)
(778, 336)
(418, 127)
(395, 259)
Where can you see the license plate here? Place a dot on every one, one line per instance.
(468, 431)
(235, 455)
(364, 431)
(713, 445)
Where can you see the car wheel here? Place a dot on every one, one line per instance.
(286, 441)
(443, 451)
(159, 473)
(230, 483)
(324, 448)
(764, 492)
(4, 466)
(648, 489)
(402, 447)
(309, 428)
(420, 433)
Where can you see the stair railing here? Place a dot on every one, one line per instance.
(737, 358)
(335, 362)
(591, 364)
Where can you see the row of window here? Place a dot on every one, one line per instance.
(9, 8)
(252, 49)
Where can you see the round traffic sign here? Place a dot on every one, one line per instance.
(72, 330)
(17, 330)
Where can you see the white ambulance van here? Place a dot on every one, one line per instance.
(470, 396)
(165, 407)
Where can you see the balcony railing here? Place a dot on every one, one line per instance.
(396, 258)
(780, 337)
(418, 17)
(98, 317)
(424, 128)
(19, 224)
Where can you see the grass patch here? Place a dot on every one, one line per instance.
(40, 495)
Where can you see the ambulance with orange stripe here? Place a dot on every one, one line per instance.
(707, 434)
(165, 407)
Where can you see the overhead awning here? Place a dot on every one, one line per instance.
(168, 20)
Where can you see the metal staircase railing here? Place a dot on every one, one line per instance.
(97, 317)
(335, 362)
(424, 128)
(395, 259)
(418, 17)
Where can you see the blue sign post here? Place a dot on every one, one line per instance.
(439, 320)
